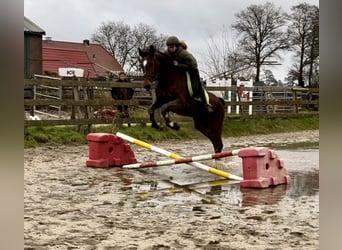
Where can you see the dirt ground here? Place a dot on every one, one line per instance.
(70, 206)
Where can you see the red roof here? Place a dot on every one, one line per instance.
(63, 58)
(93, 58)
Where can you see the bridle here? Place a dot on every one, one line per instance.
(151, 75)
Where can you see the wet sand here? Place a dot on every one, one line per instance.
(71, 206)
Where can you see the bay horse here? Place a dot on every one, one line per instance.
(172, 95)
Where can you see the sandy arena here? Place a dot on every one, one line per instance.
(71, 206)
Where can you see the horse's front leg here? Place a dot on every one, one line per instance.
(151, 111)
(172, 106)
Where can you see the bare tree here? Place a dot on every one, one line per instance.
(313, 53)
(221, 58)
(304, 35)
(217, 53)
(261, 30)
(115, 37)
(123, 41)
(143, 36)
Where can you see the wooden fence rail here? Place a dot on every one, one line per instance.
(94, 95)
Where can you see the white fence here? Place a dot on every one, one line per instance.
(242, 95)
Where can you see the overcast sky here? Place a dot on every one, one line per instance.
(191, 20)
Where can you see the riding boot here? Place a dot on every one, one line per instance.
(198, 89)
(204, 100)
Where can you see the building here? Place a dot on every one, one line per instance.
(32, 48)
(45, 57)
(94, 59)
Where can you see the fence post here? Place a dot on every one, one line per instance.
(295, 99)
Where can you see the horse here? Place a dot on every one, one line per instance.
(172, 95)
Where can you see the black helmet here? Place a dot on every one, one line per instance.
(172, 40)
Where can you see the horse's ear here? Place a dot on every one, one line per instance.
(152, 48)
(140, 52)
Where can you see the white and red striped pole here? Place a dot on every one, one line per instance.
(175, 156)
(182, 160)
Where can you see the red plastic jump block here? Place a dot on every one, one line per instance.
(107, 150)
(262, 168)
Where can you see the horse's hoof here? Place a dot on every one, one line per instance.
(173, 125)
(156, 126)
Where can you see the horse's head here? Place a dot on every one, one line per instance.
(150, 65)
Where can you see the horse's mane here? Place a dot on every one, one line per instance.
(160, 55)
(166, 64)
(164, 56)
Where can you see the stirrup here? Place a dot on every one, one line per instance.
(209, 108)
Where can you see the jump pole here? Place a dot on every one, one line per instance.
(175, 156)
(182, 160)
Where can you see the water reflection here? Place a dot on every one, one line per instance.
(124, 176)
(301, 184)
(304, 184)
(303, 170)
(265, 196)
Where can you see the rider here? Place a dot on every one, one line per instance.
(186, 61)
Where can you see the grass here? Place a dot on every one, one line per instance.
(37, 136)
(294, 145)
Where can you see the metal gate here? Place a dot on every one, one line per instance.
(48, 92)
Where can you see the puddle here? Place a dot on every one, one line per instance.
(183, 184)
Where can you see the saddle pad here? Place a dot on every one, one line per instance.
(189, 85)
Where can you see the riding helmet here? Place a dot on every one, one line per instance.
(172, 40)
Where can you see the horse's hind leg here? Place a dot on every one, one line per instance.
(216, 140)
(214, 136)
(217, 143)
(212, 131)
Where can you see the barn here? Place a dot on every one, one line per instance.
(46, 56)
(32, 48)
(93, 58)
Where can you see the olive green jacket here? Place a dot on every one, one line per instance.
(185, 59)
